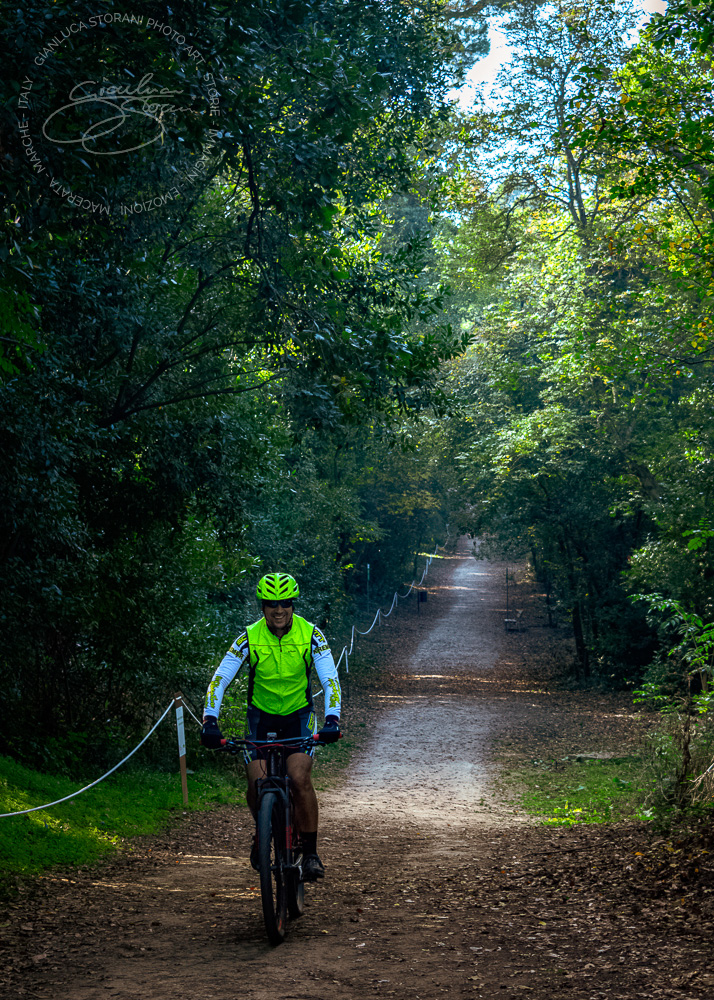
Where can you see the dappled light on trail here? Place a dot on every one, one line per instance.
(470, 635)
(427, 760)
(425, 763)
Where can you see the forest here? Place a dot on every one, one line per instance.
(333, 317)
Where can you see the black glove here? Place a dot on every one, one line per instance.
(330, 732)
(211, 735)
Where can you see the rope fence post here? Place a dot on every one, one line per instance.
(178, 703)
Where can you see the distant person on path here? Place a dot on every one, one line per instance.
(279, 651)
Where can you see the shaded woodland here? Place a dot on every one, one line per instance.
(373, 316)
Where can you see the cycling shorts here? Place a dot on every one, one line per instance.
(258, 724)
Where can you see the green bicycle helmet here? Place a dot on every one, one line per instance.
(277, 587)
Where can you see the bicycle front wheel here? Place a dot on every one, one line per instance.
(271, 854)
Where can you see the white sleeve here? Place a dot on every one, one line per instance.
(327, 672)
(228, 669)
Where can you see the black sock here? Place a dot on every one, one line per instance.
(309, 843)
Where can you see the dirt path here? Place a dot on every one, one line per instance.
(427, 761)
(435, 885)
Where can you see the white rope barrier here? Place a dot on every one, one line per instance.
(383, 614)
(386, 614)
(22, 812)
(376, 619)
(191, 713)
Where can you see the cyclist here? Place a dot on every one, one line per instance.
(279, 651)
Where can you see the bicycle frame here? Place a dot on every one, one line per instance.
(280, 860)
(278, 780)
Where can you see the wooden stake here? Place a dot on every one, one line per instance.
(178, 703)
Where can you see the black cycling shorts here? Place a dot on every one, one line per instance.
(258, 724)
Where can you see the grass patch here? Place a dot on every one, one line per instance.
(570, 792)
(129, 803)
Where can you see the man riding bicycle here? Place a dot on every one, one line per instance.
(279, 651)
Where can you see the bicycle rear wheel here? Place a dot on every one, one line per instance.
(271, 854)
(296, 885)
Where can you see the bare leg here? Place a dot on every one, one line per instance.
(306, 809)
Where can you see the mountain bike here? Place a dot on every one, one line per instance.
(282, 888)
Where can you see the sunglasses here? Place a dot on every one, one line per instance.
(277, 604)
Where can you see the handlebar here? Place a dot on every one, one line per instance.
(233, 744)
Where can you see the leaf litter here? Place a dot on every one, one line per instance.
(500, 907)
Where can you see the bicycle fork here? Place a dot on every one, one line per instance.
(292, 856)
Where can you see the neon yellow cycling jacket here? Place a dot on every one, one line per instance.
(278, 669)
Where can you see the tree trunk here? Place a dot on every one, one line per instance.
(580, 646)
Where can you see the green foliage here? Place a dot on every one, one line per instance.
(662, 107)
(681, 747)
(404, 490)
(172, 379)
(532, 142)
(19, 338)
(684, 18)
(676, 769)
(695, 650)
(656, 133)
(583, 430)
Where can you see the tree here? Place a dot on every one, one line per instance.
(592, 346)
(168, 363)
(536, 149)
